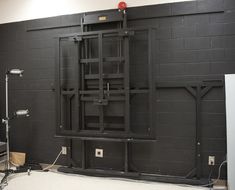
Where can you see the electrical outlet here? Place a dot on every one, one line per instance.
(211, 160)
(99, 153)
(64, 150)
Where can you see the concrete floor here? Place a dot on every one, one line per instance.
(58, 181)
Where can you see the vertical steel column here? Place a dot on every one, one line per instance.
(101, 82)
(198, 132)
(83, 52)
(197, 94)
(127, 83)
(57, 87)
(125, 20)
(82, 84)
(127, 90)
(126, 157)
(83, 142)
(119, 51)
(151, 38)
(68, 123)
(126, 74)
(77, 87)
(69, 144)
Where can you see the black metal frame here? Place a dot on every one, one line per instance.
(198, 90)
(104, 96)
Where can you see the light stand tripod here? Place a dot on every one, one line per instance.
(6, 120)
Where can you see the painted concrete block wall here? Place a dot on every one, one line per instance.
(194, 42)
(19, 10)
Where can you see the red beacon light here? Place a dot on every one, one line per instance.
(122, 6)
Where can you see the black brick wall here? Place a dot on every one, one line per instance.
(194, 41)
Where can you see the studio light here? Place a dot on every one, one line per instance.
(16, 72)
(22, 113)
(7, 119)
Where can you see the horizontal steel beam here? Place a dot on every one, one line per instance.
(96, 33)
(105, 59)
(133, 175)
(133, 140)
(214, 83)
(106, 134)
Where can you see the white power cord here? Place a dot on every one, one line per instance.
(218, 178)
(48, 167)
